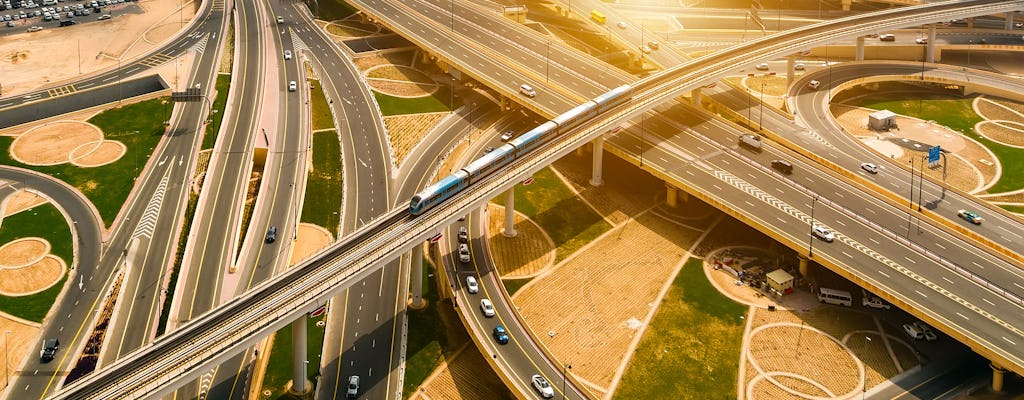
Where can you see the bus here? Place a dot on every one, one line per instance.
(598, 17)
(833, 296)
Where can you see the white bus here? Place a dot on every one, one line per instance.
(833, 296)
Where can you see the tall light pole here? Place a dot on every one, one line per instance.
(547, 61)
(7, 333)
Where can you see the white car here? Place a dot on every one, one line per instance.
(527, 90)
(622, 25)
(287, 54)
(292, 86)
(542, 386)
(823, 233)
(464, 252)
(762, 67)
(921, 40)
(487, 308)
(872, 168)
(352, 390)
(799, 66)
(35, 28)
(913, 332)
(471, 285)
(925, 330)
(507, 136)
(814, 84)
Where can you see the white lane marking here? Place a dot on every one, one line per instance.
(1010, 232)
(989, 302)
(919, 292)
(1008, 340)
(963, 316)
(947, 280)
(910, 259)
(940, 246)
(883, 273)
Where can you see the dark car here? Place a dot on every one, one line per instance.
(500, 334)
(783, 166)
(67, 23)
(271, 234)
(50, 347)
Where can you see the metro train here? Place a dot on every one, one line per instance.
(521, 145)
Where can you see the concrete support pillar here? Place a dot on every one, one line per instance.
(299, 362)
(416, 278)
(671, 195)
(997, 377)
(695, 97)
(929, 49)
(970, 22)
(860, 48)
(790, 69)
(597, 175)
(846, 5)
(510, 213)
(803, 266)
(1009, 21)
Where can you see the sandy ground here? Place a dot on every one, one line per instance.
(99, 153)
(458, 378)
(32, 278)
(22, 252)
(26, 64)
(405, 131)
(19, 201)
(65, 141)
(311, 238)
(526, 254)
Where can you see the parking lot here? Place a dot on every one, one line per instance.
(34, 17)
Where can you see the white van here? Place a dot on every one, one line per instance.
(833, 296)
(527, 90)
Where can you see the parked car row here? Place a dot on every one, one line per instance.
(49, 10)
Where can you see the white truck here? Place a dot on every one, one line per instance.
(870, 300)
(753, 142)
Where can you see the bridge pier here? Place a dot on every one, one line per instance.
(1008, 25)
(299, 361)
(695, 97)
(790, 69)
(860, 48)
(510, 213)
(803, 265)
(997, 377)
(846, 5)
(929, 48)
(671, 195)
(416, 289)
(597, 176)
(970, 22)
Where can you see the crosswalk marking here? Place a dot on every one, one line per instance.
(62, 90)
(155, 60)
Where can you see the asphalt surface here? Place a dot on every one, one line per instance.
(80, 99)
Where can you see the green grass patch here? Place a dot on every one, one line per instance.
(279, 368)
(691, 350)
(440, 101)
(322, 117)
(428, 339)
(1013, 209)
(43, 221)
(569, 221)
(955, 113)
(330, 10)
(322, 203)
(513, 285)
(217, 112)
(139, 127)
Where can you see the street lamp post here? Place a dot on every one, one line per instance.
(547, 61)
(7, 380)
(760, 118)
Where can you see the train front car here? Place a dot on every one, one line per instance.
(438, 192)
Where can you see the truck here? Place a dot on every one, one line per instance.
(753, 142)
(870, 300)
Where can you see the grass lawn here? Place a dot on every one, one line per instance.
(323, 198)
(139, 127)
(44, 221)
(322, 117)
(1014, 209)
(279, 368)
(569, 221)
(217, 113)
(691, 350)
(437, 102)
(955, 113)
(330, 10)
(513, 285)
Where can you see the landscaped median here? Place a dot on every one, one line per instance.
(45, 222)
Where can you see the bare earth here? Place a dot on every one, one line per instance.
(22, 252)
(33, 278)
(311, 238)
(105, 152)
(20, 200)
(593, 323)
(458, 378)
(26, 61)
(520, 256)
(405, 131)
(52, 144)
(20, 342)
